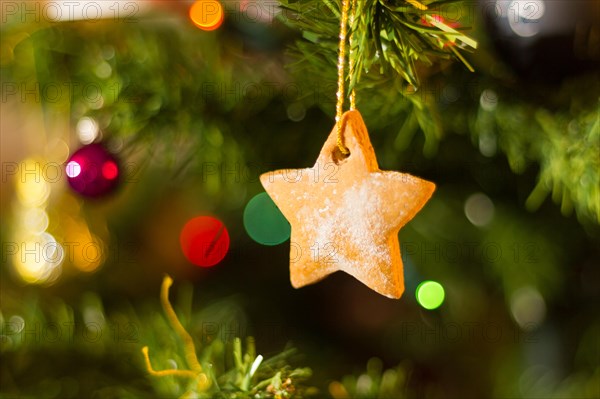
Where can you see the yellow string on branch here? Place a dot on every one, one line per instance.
(341, 66)
(189, 348)
(163, 373)
(188, 342)
(350, 56)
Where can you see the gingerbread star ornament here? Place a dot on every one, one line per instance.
(345, 212)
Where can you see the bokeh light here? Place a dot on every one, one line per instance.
(35, 220)
(31, 185)
(528, 307)
(207, 14)
(73, 169)
(264, 222)
(204, 241)
(103, 70)
(110, 170)
(37, 258)
(479, 209)
(87, 252)
(524, 17)
(87, 130)
(296, 111)
(488, 100)
(430, 294)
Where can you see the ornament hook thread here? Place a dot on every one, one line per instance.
(341, 75)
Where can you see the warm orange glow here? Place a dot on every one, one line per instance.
(207, 14)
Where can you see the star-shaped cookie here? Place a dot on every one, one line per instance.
(345, 212)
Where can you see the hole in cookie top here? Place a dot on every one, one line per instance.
(338, 156)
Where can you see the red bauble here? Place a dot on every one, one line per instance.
(204, 241)
(92, 171)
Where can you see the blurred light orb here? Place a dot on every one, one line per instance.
(87, 130)
(264, 222)
(90, 254)
(430, 294)
(450, 94)
(296, 111)
(93, 315)
(73, 169)
(479, 209)
(17, 322)
(86, 251)
(364, 385)
(528, 307)
(31, 184)
(204, 241)
(35, 220)
(207, 14)
(172, 364)
(524, 16)
(487, 144)
(488, 100)
(110, 170)
(38, 259)
(103, 70)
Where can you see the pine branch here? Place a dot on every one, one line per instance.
(560, 132)
(49, 339)
(251, 376)
(388, 36)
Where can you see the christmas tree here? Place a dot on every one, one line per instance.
(160, 191)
